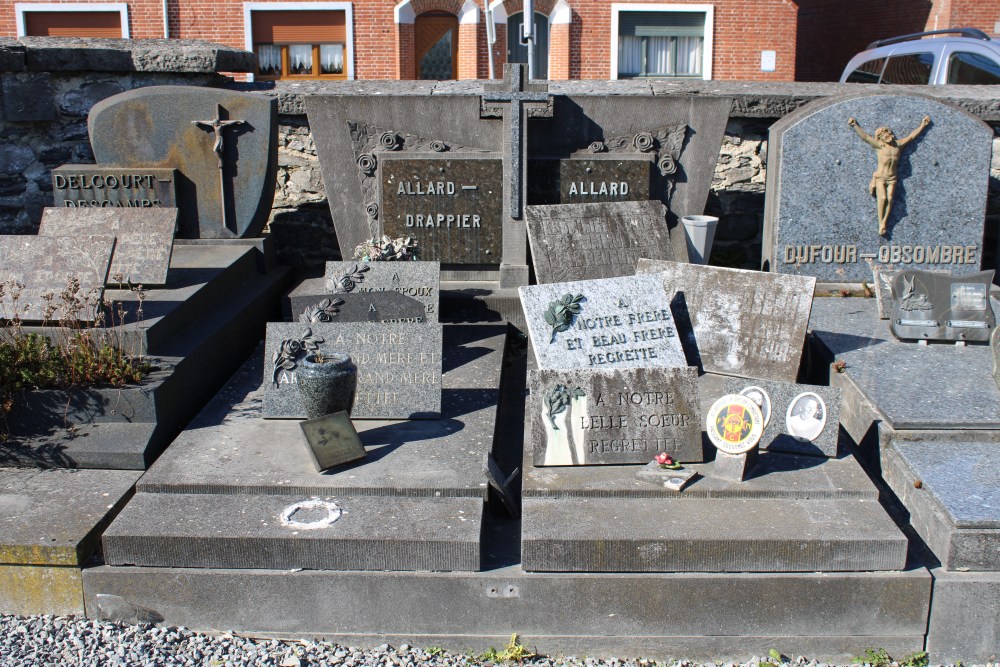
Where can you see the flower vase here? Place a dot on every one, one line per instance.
(327, 386)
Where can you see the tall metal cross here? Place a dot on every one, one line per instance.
(218, 126)
(516, 92)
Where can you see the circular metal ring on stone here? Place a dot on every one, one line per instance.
(667, 165)
(644, 142)
(439, 146)
(367, 164)
(333, 512)
(372, 210)
(389, 141)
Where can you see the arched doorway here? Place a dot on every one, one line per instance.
(436, 45)
(518, 53)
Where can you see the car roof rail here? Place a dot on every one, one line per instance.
(973, 33)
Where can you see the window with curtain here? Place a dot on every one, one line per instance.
(306, 44)
(661, 44)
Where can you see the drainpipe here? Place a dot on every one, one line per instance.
(491, 35)
(166, 21)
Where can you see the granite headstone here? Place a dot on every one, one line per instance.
(614, 416)
(782, 401)
(223, 143)
(936, 306)
(102, 186)
(609, 323)
(388, 307)
(821, 218)
(145, 238)
(588, 241)
(45, 265)
(399, 367)
(420, 280)
(744, 323)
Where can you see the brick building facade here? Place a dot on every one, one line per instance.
(777, 40)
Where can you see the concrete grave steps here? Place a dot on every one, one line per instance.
(50, 524)
(100, 446)
(829, 616)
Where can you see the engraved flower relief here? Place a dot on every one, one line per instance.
(439, 146)
(372, 210)
(561, 312)
(350, 279)
(644, 142)
(558, 399)
(597, 147)
(390, 141)
(324, 311)
(367, 164)
(286, 357)
(667, 165)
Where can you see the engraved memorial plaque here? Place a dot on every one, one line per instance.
(104, 186)
(936, 306)
(452, 207)
(332, 440)
(419, 280)
(587, 181)
(389, 307)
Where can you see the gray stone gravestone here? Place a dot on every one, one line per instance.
(611, 323)
(588, 241)
(399, 367)
(745, 323)
(223, 144)
(45, 265)
(419, 280)
(821, 218)
(100, 186)
(615, 416)
(145, 238)
(781, 402)
(388, 307)
(935, 306)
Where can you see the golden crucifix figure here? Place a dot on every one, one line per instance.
(888, 149)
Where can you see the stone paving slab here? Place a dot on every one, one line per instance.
(41, 589)
(708, 535)
(963, 620)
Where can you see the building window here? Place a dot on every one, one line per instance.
(436, 45)
(518, 52)
(661, 44)
(305, 44)
(72, 19)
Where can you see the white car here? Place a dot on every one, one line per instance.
(971, 57)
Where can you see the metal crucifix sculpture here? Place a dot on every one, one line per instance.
(218, 126)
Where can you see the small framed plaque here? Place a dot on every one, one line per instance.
(332, 440)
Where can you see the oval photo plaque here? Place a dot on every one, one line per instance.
(806, 416)
(734, 424)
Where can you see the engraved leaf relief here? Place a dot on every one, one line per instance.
(324, 311)
(347, 281)
(291, 350)
(558, 399)
(910, 300)
(368, 141)
(561, 312)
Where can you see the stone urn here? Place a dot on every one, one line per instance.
(327, 383)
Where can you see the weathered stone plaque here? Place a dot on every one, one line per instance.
(826, 185)
(145, 238)
(934, 306)
(610, 417)
(587, 181)
(452, 207)
(399, 367)
(612, 323)
(388, 307)
(798, 418)
(332, 440)
(99, 186)
(223, 143)
(745, 323)
(589, 241)
(45, 265)
(420, 280)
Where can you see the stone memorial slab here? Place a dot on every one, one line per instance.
(387, 307)
(934, 306)
(995, 348)
(145, 238)
(788, 425)
(420, 280)
(744, 323)
(453, 207)
(612, 323)
(829, 216)
(614, 416)
(590, 180)
(399, 367)
(45, 265)
(332, 440)
(223, 144)
(101, 186)
(589, 241)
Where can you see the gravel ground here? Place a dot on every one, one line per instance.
(76, 642)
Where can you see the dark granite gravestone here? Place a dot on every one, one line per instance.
(588, 241)
(223, 144)
(935, 306)
(332, 440)
(778, 403)
(452, 206)
(388, 307)
(820, 217)
(145, 238)
(611, 323)
(399, 367)
(100, 186)
(614, 416)
(45, 265)
(744, 323)
(420, 280)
